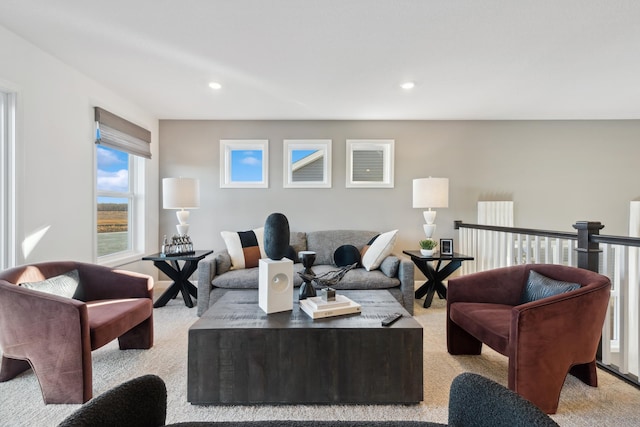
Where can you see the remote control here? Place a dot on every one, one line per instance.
(387, 321)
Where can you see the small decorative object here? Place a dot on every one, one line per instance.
(328, 294)
(427, 247)
(276, 236)
(307, 258)
(331, 278)
(446, 246)
(165, 244)
(306, 289)
(317, 308)
(179, 245)
(275, 285)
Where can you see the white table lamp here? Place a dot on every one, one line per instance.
(430, 193)
(181, 193)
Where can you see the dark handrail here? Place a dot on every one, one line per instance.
(517, 230)
(616, 240)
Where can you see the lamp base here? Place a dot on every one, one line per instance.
(429, 216)
(183, 229)
(183, 218)
(429, 229)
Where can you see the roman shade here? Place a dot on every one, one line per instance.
(115, 132)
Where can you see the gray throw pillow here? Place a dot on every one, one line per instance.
(64, 285)
(539, 286)
(390, 266)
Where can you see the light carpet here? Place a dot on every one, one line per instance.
(613, 403)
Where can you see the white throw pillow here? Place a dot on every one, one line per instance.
(379, 250)
(64, 285)
(245, 248)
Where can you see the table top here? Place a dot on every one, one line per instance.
(238, 309)
(437, 256)
(195, 256)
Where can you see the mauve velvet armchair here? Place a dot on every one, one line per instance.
(544, 339)
(55, 335)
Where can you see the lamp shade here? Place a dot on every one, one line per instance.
(180, 193)
(431, 193)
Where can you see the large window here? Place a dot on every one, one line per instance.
(7, 194)
(120, 153)
(115, 207)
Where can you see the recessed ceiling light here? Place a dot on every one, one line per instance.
(215, 85)
(408, 85)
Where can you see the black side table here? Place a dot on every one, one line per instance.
(435, 276)
(169, 265)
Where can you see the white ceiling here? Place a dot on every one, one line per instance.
(345, 59)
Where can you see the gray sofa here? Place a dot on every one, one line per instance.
(215, 276)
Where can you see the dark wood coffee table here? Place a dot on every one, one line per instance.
(240, 355)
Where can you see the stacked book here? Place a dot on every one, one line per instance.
(318, 308)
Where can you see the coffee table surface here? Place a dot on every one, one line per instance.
(240, 355)
(238, 309)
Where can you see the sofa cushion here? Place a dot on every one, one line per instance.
(108, 318)
(64, 285)
(366, 247)
(489, 323)
(379, 250)
(359, 278)
(245, 247)
(346, 255)
(324, 243)
(248, 278)
(390, 266)
(539, 286)
(298, 240)
(223, 262)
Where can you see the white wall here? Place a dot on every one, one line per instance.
(55, 152)
(556, 172)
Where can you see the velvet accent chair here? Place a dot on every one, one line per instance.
(544, 339)
(474, 401)
(54, 334)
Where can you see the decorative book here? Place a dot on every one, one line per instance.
(319, 303)
(318, 312)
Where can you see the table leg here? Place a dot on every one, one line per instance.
(444, 273)
(180, 283)
(430, 274)
(434, 283)
(435, 276)
(188, 289)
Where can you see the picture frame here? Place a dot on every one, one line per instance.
(307, 163)
(370, 163)
(244, 163)
(446, 247)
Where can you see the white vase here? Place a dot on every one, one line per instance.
(427, 252)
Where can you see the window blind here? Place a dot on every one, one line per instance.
(115, 132)
(368, 165)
